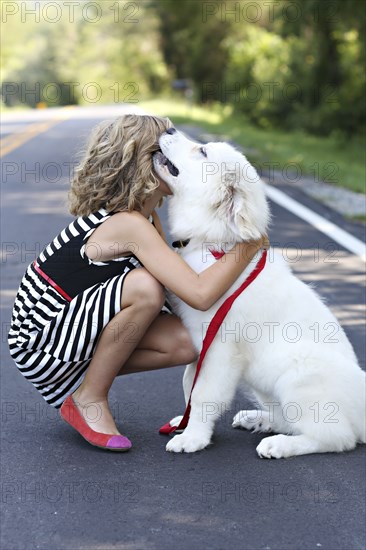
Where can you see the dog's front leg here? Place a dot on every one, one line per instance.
(213, 393)
(187, 386)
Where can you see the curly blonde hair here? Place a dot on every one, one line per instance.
(116, 172)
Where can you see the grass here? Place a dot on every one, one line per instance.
(5, 109)
(334, 160)
(358, 218)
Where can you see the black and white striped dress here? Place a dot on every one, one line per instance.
(63, 303)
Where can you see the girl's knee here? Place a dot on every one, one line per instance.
(141, 289)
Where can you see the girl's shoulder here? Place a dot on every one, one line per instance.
(125, 224)
(128, 217)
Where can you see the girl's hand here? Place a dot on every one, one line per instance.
(265, 244)
(247, 250)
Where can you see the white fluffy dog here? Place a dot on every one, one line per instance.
(279, 338)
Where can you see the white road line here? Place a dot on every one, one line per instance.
(337, 234)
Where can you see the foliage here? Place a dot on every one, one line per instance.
(299, 64)
(113, 59)
(192, 44)
(291, 64)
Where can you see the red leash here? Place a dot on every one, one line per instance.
(212, 330)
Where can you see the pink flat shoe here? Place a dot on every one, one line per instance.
(70, 413)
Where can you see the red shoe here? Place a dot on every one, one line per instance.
(70, 413)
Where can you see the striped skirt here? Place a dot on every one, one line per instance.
(52, 340)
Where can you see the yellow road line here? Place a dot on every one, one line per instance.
(6, 140)
(9, 143)
(16, 140)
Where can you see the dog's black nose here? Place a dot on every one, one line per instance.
(171, 131)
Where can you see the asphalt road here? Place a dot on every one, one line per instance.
(59, 492)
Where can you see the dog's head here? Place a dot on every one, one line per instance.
(217, 194)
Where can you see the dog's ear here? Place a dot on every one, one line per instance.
(245, 217)
(249, 210)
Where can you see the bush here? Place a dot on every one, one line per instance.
(277, 82)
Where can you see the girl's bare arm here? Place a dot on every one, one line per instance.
(158, 226)
(136, 234)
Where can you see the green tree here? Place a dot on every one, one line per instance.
(119, 53)
(192, 44)
(313, 54)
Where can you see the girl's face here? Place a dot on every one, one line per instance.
(163, 187)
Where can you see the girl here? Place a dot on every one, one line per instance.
(91, 306)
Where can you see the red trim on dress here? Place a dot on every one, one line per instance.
(51, 281)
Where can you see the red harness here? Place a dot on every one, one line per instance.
(212, 330)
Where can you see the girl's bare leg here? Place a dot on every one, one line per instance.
(141, 302)
(166, 343)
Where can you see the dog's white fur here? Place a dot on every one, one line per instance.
(310, 392)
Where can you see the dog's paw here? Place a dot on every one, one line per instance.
(254, 420)
(184, 443)
(276, 446)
